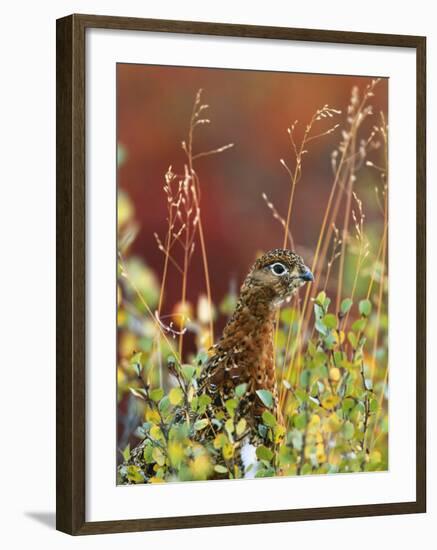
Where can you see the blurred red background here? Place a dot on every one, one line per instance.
(251, 109)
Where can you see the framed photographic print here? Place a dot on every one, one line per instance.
(240, 274)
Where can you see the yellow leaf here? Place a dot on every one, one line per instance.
(375, 457)
(152, 416)
(182, 313)
(330, 402)
(121, 317)
(229, 426)
(228, 451)
(121, 376)
(220, 440)
(279, 431)
(334, 458)
(204, 339)
(128, 344)
(158, 456)
(334, 374)
(334, 423)
(315, 420)
(176, 396)
(241, 426)
(320, 453)
(155, 479)
(175, 453)
(155, 432)
(201, 467)
(190, 394)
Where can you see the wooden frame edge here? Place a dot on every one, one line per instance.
(421, 460)
(70, 276)
(71, 269)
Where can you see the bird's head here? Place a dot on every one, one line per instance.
(279, 273)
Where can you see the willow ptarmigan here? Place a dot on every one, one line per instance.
(244, 353)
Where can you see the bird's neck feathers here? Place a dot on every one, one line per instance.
(254, 312)
(258, 301)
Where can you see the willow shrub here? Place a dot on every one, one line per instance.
(334, 420)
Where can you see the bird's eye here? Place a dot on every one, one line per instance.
(278, 269)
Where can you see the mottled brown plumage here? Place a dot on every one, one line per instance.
(244, 353)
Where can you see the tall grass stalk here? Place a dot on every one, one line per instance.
(350, 150)
(184, 210)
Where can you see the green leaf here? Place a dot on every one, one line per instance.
(201, 424)
(346, 304)
(148, 454)
(281, 340)
(288, 315)
(321, 327)
(266, 397)
(231, 405)
(264, 453)
(320, 358)
(300, 421)
(296, 439)
(220, 469)
(262, 430)
(203, 402)
(126, 453)
(319, 312)
(301, 395)
(265, 472)
(269, 419)
(347, 404)
(331, 340)
(136, 362)
(136, 358)
(330, 321)
(305, 378)
(201, 358)
(352, 337)
(164, 404)
(188, 372)
(156, 394)
(359, 325)
(348, 430)
(137, 368)
(311, 348)
(321, 297)
(365, 307)
(240, 390)
(373, 405)
(134, 474)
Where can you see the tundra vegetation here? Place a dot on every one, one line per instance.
(330, 351)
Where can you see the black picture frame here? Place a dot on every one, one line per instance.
(71, 278)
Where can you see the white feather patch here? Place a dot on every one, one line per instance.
(249, 460)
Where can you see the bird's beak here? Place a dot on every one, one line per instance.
(307, 275)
